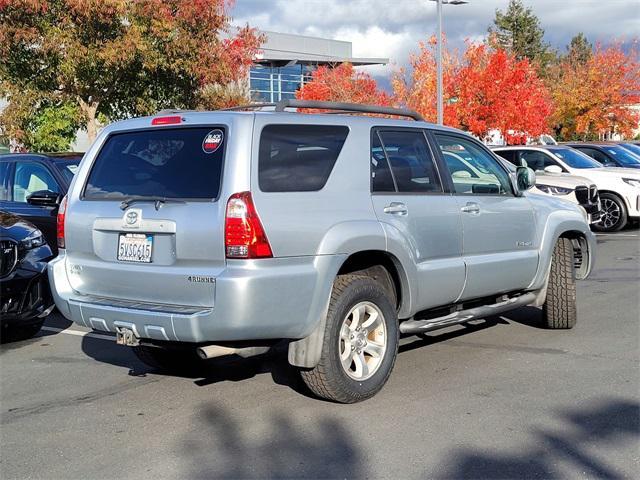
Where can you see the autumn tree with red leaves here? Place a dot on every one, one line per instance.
(592, 97)
(487, 89)
(418, 90)
(495, 91)
(118, 58)
(343, 84)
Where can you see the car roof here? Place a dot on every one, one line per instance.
(532, 147)
(70, 156)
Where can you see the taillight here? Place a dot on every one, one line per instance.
(244, 236)
(60, 222)
(170, 120)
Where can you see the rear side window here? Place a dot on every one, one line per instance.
(298, 158)
(412, 165)
(183, 163)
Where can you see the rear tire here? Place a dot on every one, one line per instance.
(559, 310)
(360, 342)
(614, 214)
(167, 359)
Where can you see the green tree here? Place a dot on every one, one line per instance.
(37, 123)
(517, 30)
(119, 58)
(579, 50)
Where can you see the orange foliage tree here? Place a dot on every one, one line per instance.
(418, 90)
(343, 84)
(495, 91)
(118, 58)
(592, 98)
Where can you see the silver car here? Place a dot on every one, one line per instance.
(228, 232)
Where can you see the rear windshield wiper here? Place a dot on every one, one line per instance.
(158, 201)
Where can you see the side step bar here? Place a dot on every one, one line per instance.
(462, 316)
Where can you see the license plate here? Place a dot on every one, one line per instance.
(135, 247)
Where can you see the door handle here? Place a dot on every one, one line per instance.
(471, 207)
(396, 208)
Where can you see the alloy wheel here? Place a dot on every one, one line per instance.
(362, 341)
(611, 213)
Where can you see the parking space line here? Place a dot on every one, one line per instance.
(616, 235)
(78, 333)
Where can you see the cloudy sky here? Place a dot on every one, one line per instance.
(392, 28)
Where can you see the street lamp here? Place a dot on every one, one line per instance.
(439, 53)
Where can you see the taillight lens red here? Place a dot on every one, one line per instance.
(170, 120)
(244, 236)
(60, 222)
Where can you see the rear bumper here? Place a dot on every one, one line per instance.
(254, 300)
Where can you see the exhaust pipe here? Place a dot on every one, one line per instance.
(215, 351)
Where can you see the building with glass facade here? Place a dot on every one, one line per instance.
(286, 62)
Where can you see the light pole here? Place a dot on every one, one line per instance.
(439, 55)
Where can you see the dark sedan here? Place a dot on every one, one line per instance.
(25, 297)
(32, 186)
(608, 154)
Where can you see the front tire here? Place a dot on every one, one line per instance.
(614, 213)
(360, 342)
(559, 310)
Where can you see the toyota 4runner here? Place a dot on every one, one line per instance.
(227, 232)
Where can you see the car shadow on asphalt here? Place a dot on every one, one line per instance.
(224, 369)
(237, 369)
(576, 443)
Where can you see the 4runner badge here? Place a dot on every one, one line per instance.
(212, 141)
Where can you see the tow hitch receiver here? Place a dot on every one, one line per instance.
(125, 336)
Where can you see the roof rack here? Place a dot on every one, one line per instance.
(336, 107)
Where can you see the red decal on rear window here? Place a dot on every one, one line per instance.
(212, 141)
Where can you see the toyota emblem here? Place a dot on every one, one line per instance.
(132, 217)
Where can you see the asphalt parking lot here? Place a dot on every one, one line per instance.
(501, 399)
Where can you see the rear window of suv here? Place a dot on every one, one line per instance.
(184, 163)
(298, 158)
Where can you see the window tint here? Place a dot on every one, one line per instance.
(171, 163)
(381, 179)
(4, 180)
(411, 162)
(575, 158)
(67, 168)
(298, 158)
(472, 169)
(535, 160)
(595, 154)
(31, 177)
(509, 155)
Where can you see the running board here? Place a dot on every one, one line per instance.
(462, 316)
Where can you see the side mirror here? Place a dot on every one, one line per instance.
(44, 198)
(461, 174)
(553, 169)
(525, 179)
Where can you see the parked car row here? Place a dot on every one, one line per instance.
(618, 187)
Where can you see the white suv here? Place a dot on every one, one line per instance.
(619, 187)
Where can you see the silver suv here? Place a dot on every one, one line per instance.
(226, 232)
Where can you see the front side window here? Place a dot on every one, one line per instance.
(412, 166)
(472, 169)
(180, 163)
(31, 177)
(622, 155)
(535, 160)
(298, 158)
